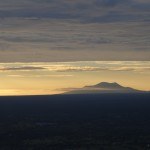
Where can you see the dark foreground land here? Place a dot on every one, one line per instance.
(75, 122)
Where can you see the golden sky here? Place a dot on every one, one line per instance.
(54, 78)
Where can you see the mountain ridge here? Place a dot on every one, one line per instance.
(105, 87)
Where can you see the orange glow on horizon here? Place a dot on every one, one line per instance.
(56, 78)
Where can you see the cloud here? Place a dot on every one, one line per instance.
(133, 66)
(22, 68)
(15, 75)
(39, 76)
(136, 69)
(67, 30)
(23, 40)
(111, 3)
(115, 68)
(66, 9)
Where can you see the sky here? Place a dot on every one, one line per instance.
(50, 46)
(74, 30)
(59, 77)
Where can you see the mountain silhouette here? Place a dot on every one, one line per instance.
(107, 85)
(104, 87)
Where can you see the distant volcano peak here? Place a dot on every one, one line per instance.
(104, 87)
(107, 85)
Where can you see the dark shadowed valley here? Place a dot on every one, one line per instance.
(75, 122)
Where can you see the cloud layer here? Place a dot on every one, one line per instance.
(67, 30)
(133, 66)
(85, 10)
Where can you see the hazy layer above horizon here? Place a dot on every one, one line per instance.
(53, 78)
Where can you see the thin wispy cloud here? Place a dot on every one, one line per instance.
(39, 76)
(79, 67)
(21, 68)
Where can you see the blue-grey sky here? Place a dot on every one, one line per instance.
(74, 30)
